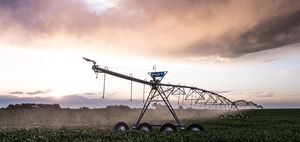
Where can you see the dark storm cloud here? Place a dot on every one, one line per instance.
(271, 33)
(36, 18)
(175, 28)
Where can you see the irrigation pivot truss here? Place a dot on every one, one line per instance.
(196, 96)
(245, 104)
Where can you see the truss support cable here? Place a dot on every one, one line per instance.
(130, 88)
(182, 99)
(104, 78)
(192, 100)
(144, 94)
(103, 86)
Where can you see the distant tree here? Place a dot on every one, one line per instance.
(11, 106)
(180, 107)
(56, 106)
(120, 107)
(83, 108)
(27, 105)
(17, 106)
(33, 106)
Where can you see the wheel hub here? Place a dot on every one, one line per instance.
(145, 129)
(168, 129)
(195, 129)
(122, 128)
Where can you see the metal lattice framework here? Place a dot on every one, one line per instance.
(250, 104)
(196, 96)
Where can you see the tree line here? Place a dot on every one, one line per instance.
(33, 106)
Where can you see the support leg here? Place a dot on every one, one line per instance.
(168, 104)
(238, 110)
(145, 107)
(233, 105)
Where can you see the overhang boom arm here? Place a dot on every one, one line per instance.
(98, 69)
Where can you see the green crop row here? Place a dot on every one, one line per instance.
(265, 125)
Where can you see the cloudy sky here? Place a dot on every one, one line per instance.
(244, 49)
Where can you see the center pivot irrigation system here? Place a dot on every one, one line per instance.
(195, 95)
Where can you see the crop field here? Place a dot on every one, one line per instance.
(265, 125)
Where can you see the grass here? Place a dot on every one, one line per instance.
(265, 125)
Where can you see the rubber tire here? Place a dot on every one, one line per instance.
(195, 125)
(120, 124)
(145, 124)
(238, 116)
(229, 116)
(167, 125)
(221, 116)
(247, 117)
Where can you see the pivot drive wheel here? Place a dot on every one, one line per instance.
(168, 127)
(144, 127)
(121, 126)
(238, 116)
(229, 116)
(221, 116)
(247, 116)
(195, 127)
